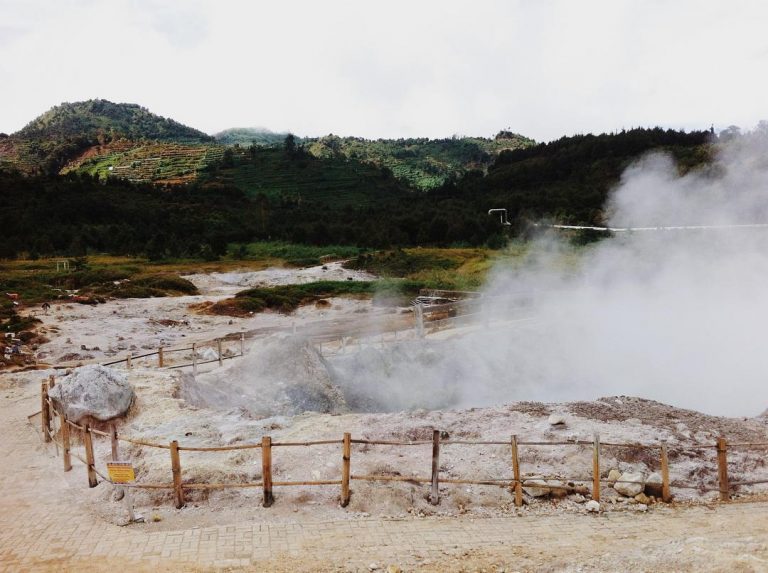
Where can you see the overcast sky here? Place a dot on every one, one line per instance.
(393, 68)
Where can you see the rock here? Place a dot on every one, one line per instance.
(394, 569)
(653, 484)
(643, 499)
(641, 507)
(281, 375)
(97, 391)
(373, 567)
(556, 420)
(614, 475)
(536, 487)
(592, 506)
(577, 498)
(630, 489)
(559, 489)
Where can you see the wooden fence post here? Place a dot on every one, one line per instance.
(266, 470)
(516, 473)
(596, 468)
(45, 413)
(51, 411)
(194, 358)
(65, 443)
(434, 497)
(89, 457)
(242, 344)
(178, 490)
(722, 469)
(128, 361)
(420, 320)
(218, 348)
(116, 458)
(115, 444)
(666, 497)
(345, 468)
(160, 357)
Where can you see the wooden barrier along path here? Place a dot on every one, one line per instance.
(62, 437)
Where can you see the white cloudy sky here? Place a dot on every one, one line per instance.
(544, 68)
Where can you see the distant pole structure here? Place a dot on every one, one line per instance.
(660, 228)
(502, 215)
(62, 265)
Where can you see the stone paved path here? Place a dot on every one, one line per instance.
(42, 528)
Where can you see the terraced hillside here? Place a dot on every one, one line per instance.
(156, 162)
(71, 131)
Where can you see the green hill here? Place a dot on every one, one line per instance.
(420, 163)
(298, 177)
(67, 131)
(249, 136)
(423, 163)
(274, 194)
(100, 119)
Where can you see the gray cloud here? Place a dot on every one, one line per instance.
(397, 68)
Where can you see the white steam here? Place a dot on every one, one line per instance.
(676, 316)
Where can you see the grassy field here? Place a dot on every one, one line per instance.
(290, 254)
(450, 269)
(37, 280)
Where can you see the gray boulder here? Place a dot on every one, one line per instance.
(93, 391)
(630, 484)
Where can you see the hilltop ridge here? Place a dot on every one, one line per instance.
(103, 119)
(63, 133)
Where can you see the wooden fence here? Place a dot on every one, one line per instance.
(160, 357)
(56, 428)
(425, 319)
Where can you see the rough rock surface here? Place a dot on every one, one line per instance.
(653, 484)
(285, 375)
(630, 489)
(536, 487)
(97, 391)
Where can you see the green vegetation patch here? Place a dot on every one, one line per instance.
(291, 253)
(287, 298)
(38, 281)
(146, 287)
(402, 263)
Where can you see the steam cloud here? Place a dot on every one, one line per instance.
(676, 316)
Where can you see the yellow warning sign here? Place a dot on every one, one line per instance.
(121, 472)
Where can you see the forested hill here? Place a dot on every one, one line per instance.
(570, 178)
(65, 132)
(246, 136)
(353, 204)
(101, 119)
(422, 163)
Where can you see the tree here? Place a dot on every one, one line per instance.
(290, 144)
(228, 160)
(730, 132)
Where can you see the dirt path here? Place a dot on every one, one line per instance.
(43, 528)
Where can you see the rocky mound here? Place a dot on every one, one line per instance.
(93, 391)
(283, 375)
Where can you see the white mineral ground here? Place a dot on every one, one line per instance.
(169, 405)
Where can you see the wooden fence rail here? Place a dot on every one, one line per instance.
(515, 483)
